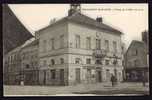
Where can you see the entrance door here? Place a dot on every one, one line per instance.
(99, 78)
(89, 75)
(62, 76)
(108, 76)
(28, 78)
(78, 75)
(44, 78)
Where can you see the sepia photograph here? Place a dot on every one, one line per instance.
(75, 49)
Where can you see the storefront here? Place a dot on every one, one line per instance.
(137, 74)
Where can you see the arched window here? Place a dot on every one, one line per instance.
(61, 60)
(27, 66)
(52, 61)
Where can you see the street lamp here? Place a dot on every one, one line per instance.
(115, 62)
(99, 54)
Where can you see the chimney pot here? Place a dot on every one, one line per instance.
(99, 19)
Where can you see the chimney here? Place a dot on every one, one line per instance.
(74, 8)
(52, 21)
(71, 12)
(99, 19)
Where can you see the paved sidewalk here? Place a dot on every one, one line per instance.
(76, 89)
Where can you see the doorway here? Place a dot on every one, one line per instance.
(99, 78)
(77, 75)
(62, 77)
(108, 76)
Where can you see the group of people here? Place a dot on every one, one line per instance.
(114, 80)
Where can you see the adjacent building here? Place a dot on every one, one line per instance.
(12, 66)
(136, 62)
(30, 63)
(145, 39)
(78, 49)
(21, 64)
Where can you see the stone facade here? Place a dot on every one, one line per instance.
(66, 59)
(76, 49)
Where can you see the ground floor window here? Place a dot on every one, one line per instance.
(88, 61)
(98, 61)
(53, 74)
(77, 60)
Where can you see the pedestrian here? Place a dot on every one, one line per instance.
(115, 80)
(112, 80)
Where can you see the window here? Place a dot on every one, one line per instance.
(115, 72)
(62, 60)
(31, 56)
(107, 45)
(44, 45)
(36, 63)
(115, 61)
(129, 64)
(88, 43)
(123, 63)
(115, 46)
(98, 61)
(52, 62)
(5, 62)
(52, 43)
(8, 59)
(88, 61)
(107, 62)
(107, 70)
(62, 41)
(136, 63)
(77, 41)
(14, 56)
(11, 59)
(53, 74)
(77, 60)
(44, 62)
(122, 48)
(136, 52)
(27, 66)
(98, 43)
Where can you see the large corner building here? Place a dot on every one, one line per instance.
(78, 49)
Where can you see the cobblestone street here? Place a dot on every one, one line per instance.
(82, 89)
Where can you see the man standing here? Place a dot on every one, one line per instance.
(112, 80)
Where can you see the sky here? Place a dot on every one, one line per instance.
(131, 19)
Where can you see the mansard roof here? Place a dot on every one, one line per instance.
(83, 19)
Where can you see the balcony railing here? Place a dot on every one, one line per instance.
(99, 53)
